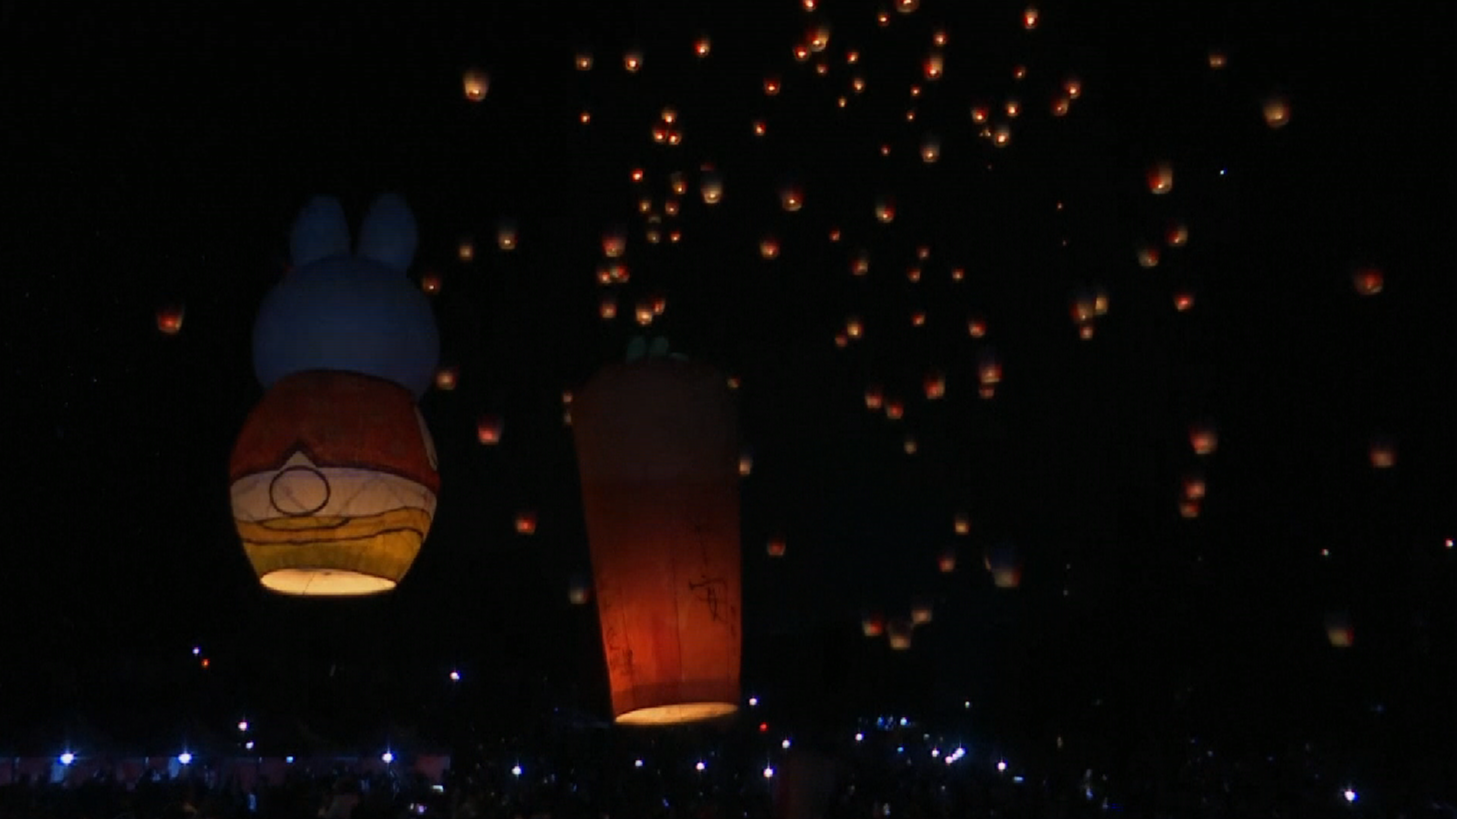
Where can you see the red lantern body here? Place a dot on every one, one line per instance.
(658, 457)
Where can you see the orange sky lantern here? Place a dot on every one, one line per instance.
(657, 450)
(1148, 256)
(489, 429)
(1160, 178)
(670, 207)
(933, 66)
(934, 385)
(677, 183)
(1176, 234)
(1382, 453)
(1005, 564)
(711, 187)
(860, 263)
(958, 274)
(169, 319)
(583, 61)
(1030, 18)
(842, 341)
(769, 247)
(1277, 111)
(1217, 60)
(930, 149)
(579, 591)
(506, 234)
(1183, 301)
(913, 274)
(614, 243)
(885, 210)
(1194, 486)
(872, 625)
(976, 326)
(526, 522)
(923, 252)
(857, 84)
(771, 86)
(1060, 106)
(702, 46)
(852, 56)
(1203, 438)
(446, 378)
(906, 6)
(430, 283)
(776, 546)
(632, 61)
(1189, 508)
(1013, 108)
(1087, 331)
(895, 409)
(800, 52)
(746, 464)
(979, 114)
(946, 561)
(1339, 631)
(643, 313)
(909, 445)
(921, 611)
(918, 318)
(989, 368)
(475, 83)
(791, 198)
(834, 234)
(961, 523)
(898, 633)
(1002, 135)
(854, 328)
(819, 38)
(1368, 281)
(1019, 72)
(466, 250)
(760, 127)
(874, 397)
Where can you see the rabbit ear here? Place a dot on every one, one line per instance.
(388, 233)
(320, 231)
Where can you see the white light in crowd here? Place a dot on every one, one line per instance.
(387, 757)
(700, 766)
(768, 773)
(515, 770)
(859, 737)
(288, 759)
(753, 701)
(67, 758)
(248, 746)
(637, 763)
(185, 758)
(785, 744)
(903, 722)
(1001, 765)
(243, 725)
(455, 676)
(196, 650)
(1350, 795)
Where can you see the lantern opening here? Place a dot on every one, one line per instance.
(677, 714)
(325, 582)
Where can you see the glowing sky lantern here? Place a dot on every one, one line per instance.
(933, 66)
(885, 210)
(1382, 452)
(979, 114)
(800, 52)
(632, 61)
(1147, 255)
(759, 127)
(579, 591)
(874, 397)
(961, 523)
(1030, 17)
(1277, 111)
(776, 546)
(930, 148)
(907, 6)
(583, 61)
(643, 313)
(1005, 564)
(678, 183)
(857, 84)
(746, 464)
(702, 46)
(1013, 108)
(872, 624)
(834, 234)
(819, 38)
(1203, 438)
(657, 447)
(842, 341)
(1060, 106)
(958, 274)
(1160, 178)
(989, 368)
(333, 476)
(489, 429)
(614, 242)
(710, 186)
(769, 247)
(525, 522)
(854, 328)
(607, 307)
(1338, 630)
(1002, 135)
(921, 611)
(895, 409)
(1368, 281)
(169, 319)
(918, 318)
(475, 83)
(913, 274)
(1194, 486)
(1176, 234)
(1019, 72)
(946, 561)
(1189, 508)
(1183, 300)
(447, 378)
(934, 385)
(791, 198)
(909, 445)
(860, 263)
(506, 234)
(1217, 60)
(976, 326)
(772, 86)
(898, 633)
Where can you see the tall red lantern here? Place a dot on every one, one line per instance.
(658, 457)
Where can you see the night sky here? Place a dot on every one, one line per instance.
(156, 159)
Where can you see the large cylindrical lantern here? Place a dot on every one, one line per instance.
(334, 476)
(658, 455)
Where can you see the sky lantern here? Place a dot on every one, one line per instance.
(579, 591)
(1013, 108)
(1194, 486)
(489, 429)
(526, 522)
(657, 449)
(746, 464)
(1148, 256)
(800, 52)
(834, 234)
(772, 85)
(1060, 106)
(1005, 565)
(976, 326)
(1073, 87)
(842, 341)
(1189, 508)
(1203, 438)
(895, 409)
(930, 148)
(1183, 301)
(921, 611)
(907, 6)
(607, 307)
(819, 38)
(466, 250)
(1368, 281)
(934, 384)
(1277, 111)
(643, 313)
(678, 183)
(857, 84)
(333, 476)
(898, 632)
(874, 397)
(860, 263)
(1217, 60)
(934, 65)
(872, 624)
(506, 234)
(961, 523)
(759, 127)
(430, 283)
(583, 61)
(614, 243)
(909, 445)
(1176, 234)
(946, 561)
(1160, 178)
(475, 83)
(711, 187)
(1002, 135)
(1030, 17)
(854, 328)
(913, 274)
(989, 368)
(885, 209)
(169, 319)
(1382, 452)
(632, 61)
(958, 274)
(979, 114)
(446, 378)
(702, 46)
(791, 198)
(1338, 629)
(769, 247)
(776, 546)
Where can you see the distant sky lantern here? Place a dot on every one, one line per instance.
(1148, 256)
(702, 46)
(895, 409)
(921, 611)
(872, 625)
(746, 464)
(632, 61)
(882, 18)
(1382, 452)
(885, 209)
(857, 84)
(1082, 308)
(1176, 234)
(506, 234)
(819, 38)
(584, 61)
(677, 183)
(1019, 72)
(1183, 300)
(918, 318)
(430, 283)
(1013, 108)
(1194, 486)
(446, 378)
(670, 207)
(800, 52)
(466, 250)
(874, 397)
(1217, 60)
(979, 114)
(791, 198)
(910, 116)
(643, 313)
(860, 263)
(1189, 508)
(909, 445)
(711, 187)
(1277, 111)
(976, 327)
(1203, 438)
(808, 5)
(1073, 87)
(898, 632)
(934, 384)
(614, 243)
(989, 368)
(169, 319)
(930, 148)
(1087, 331)
(579, 591)
(776, 546)
(907, 6)
(488, 430)
(852, 57)
(657, 449)
(760, 128)
(769, 247)
(834, 234)
(1002, 135)
(1368, 281)
(617, 273)
(885, 149)
(853, 327)
(1160, 178)
(526, 522)
(1030, 16)
(475, 83)
(772, 86)
(933, 66)
(1338, 630)
(958, 274)
(659, 304)
(1060, 106)
(842, 341)
(946, 561)
(1005, 565)
(961, 523)
(1100, 301)
(913, 274)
